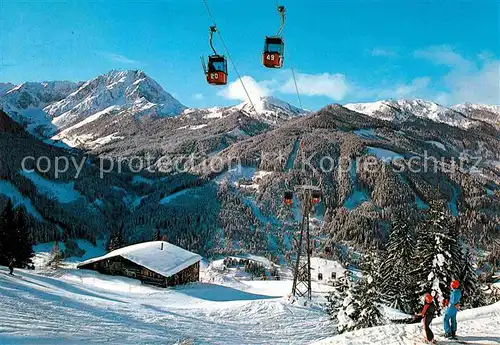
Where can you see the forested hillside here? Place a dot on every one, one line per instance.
(212, 180)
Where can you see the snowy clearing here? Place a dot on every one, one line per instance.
(383, 154)
(358, 196)
(367, 133)
(62, 192)
(437, 144)
(169, 198)
(138, 179)
(10, 191)
(84, 307)
(106, 140)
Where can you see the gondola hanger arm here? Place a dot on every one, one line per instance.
(213, 29)
(281, 11)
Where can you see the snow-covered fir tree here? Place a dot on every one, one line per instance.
(56, 256)
(157, 235)
(473, 295)
(395, 279)
(15, 238)
(23, 243)
(335, 298)
(360, 306)
(116, 239)
(438, 253)
(369, 313)
(453, 246)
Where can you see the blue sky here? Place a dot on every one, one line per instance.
(342, 50)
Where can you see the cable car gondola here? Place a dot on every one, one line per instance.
(288, 198)
(274, 46)
(316, 197)
(216, 67)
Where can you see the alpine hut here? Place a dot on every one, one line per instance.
(158, 263)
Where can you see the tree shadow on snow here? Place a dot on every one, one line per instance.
(481, 338)
(219, 293)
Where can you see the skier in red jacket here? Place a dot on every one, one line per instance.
(427, 314)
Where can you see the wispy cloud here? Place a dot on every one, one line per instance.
(417, 88)
(198, 96)
(235, 91)
(119, 58)
(334, 86)
(444, 55)
(475, 80)
(384, 52)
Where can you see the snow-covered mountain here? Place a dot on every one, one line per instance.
(130, 90)
(401, 110)
(49, 107)
(271, 109)
(483, 112)
(24, 102)
(34, 94)
(4, 87)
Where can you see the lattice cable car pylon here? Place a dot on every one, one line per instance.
(302, 269)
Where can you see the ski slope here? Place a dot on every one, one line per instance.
(84, 307)
(70, 306)
(479, 326)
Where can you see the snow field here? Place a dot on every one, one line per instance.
(84, 307)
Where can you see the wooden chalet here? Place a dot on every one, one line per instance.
(158, 263)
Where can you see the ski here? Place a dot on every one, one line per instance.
(12, 275)
(455, 339)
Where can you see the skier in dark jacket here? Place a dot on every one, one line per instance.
(11, 266)
(427, 314)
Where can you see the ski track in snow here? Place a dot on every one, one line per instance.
(367, 133)
(293, 155)
(357, 197)
(83, 307)
(60, 191)
(383, 154)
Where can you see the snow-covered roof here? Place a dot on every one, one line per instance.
(167, 262)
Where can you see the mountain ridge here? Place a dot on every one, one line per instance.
(459, 115)
(56, 105)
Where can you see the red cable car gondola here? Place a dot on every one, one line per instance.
(274, 46)
(316, 196)
(216, 67)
